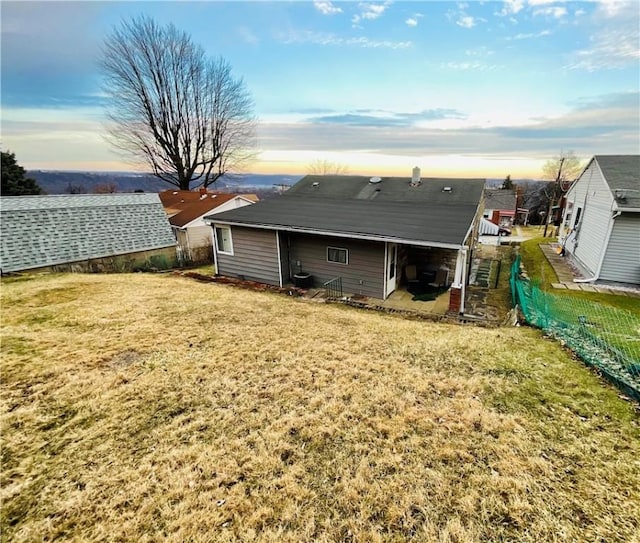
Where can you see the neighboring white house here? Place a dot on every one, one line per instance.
(601, 226)
(186, 209)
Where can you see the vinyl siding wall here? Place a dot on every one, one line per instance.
(364, 274)
(622, 259)
(255, 256)
(592, 194)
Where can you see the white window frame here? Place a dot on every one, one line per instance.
(218, 249)
(346, 255)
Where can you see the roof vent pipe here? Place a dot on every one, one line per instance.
(415, 177)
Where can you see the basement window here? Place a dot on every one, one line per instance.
(224, 242)
(337, 255)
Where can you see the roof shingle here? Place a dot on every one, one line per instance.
(39, 231)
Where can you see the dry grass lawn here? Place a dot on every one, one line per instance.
(154, 408)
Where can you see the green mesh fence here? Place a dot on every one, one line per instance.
(602, 336)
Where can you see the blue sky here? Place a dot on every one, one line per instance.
(457, 88)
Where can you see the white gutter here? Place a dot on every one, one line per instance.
(366, 237)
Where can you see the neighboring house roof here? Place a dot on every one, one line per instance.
(437, 212)
(622, 174)
(183, 206)
(40, 231)
(500, 199)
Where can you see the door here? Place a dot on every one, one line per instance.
(391, 267)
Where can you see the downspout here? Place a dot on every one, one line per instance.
(215, 251)
(602, 254)
(279, 259)
(464, 281)
(186, 233)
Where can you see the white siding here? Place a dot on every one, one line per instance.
(200, 236)
(622, 259)
(591, 193)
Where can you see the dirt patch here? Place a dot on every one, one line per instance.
(123, 359)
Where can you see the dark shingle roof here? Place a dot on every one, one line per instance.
(352, 206)
(39, 231)
(390, 189)
(622, 173)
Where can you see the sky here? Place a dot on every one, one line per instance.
(476, 88)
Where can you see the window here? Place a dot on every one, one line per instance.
(577, 221)
(223, 240)
(335, 254)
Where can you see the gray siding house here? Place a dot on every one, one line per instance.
(363, 230)
(601, 226)
(85, 232)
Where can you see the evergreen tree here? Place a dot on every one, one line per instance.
(507, 184)
(14, 180)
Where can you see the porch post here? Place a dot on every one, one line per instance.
(458, 288)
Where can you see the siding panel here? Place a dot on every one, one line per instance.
(364, 274)
(592, 194)
(255, 256)
(622, 259)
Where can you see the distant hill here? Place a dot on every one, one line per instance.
(64, 182)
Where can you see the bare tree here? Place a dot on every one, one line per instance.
(326, 167)
(562, 171)
(171, 107)
(105, 188)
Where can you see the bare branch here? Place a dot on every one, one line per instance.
(171, 107)
(326, 167)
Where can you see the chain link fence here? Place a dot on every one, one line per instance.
(604, 337)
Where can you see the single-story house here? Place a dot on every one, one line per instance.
(601, 224)
(84, 232)
(363, 232)
(186, 211)
(501, 207)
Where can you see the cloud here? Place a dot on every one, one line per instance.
(466, 21)
(614, 45)
(369, 11)
(320, 38)
(556, 12)
(411, 22)
(511, 7)
(544, 2)
(530, 35)
(326, 8)
(611, 8)
(481, 51)
(604, 124)
(471, 66)
(383, 118)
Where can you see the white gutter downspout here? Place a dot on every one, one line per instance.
(186, 233)
(460, 276)
(602, 254)
(215, 249)
(464, 280)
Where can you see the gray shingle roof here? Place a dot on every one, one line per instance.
(500, 199)
(622, 173)
(38, 231)
(352, 206)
